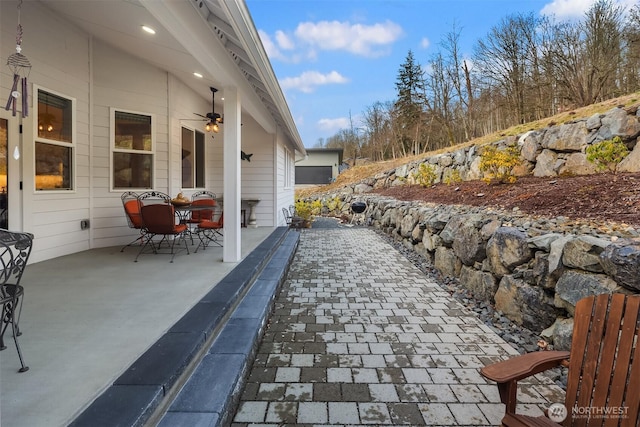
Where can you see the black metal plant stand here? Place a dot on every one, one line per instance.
(15, 249)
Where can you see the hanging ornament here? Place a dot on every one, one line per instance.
(20, 67)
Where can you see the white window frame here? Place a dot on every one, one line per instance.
(113, 149)
(288, 164)
(72, 145)
(195, 165)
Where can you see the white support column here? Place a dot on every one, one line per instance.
(232, 175)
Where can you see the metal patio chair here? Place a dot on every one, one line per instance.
(15, 249)
(131, 207)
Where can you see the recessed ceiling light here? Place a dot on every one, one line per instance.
(198, 75)
(148, 29)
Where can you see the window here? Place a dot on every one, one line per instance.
(192, 159)
(132, 150)
(287, 168)
(54, 142)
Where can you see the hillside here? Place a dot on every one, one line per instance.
(602, 197)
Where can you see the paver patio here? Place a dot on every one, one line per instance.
(359, 336)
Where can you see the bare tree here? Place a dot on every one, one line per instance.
(630, 75)
(586, 55)
(459, 73)
(503, 61)
(377, 136)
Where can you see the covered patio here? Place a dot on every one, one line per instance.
(88, 316)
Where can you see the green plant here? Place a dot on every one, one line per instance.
(334, 205)
(304, 209)
(498, 164)
(607, 154)
(316, 207)
(451, 176)
(425, 176)
(307, 210)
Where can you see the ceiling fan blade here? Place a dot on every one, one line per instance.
(204, 117)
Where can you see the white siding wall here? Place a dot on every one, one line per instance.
(59, 64)
(257, 175)
(285, 193)
(123, 82)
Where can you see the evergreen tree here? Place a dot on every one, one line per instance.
(409, 104)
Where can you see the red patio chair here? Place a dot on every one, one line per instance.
(604, 368)
(209, 231)
(132, 212)
(159, 219)
(205, 199)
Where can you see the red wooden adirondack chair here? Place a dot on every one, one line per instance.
(604, 367)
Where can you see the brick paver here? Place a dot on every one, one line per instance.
(359, 336)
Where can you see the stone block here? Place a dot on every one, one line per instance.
(621, 261)
(482, 284)
(446, 262)
(584, 253)
(507, 249)
(525, 305)
(574, 285)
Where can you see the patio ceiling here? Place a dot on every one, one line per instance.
(216, 38)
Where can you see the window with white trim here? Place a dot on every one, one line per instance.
(132, 150)
(54, 141)
(287, 168)
(193, 172)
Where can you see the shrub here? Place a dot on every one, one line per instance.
(304, 209)
(425, 176)
(607, 154)
(452, 176)
(334, 205)
(316, 207)
(498, 164)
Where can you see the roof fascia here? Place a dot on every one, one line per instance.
(242, 22)
(187, 26)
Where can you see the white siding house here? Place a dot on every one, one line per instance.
(92, 61)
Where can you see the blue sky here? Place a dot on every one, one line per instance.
(336, 58)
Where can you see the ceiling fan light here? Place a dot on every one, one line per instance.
(212, 127)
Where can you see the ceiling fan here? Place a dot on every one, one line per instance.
(214, 118)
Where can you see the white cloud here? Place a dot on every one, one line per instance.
(575, 9)
(425, 43)
(284, 41)
(365, 40)
(272, 50)
(308, 81)
(333, 125)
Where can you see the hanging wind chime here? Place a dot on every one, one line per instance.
(21, 67)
